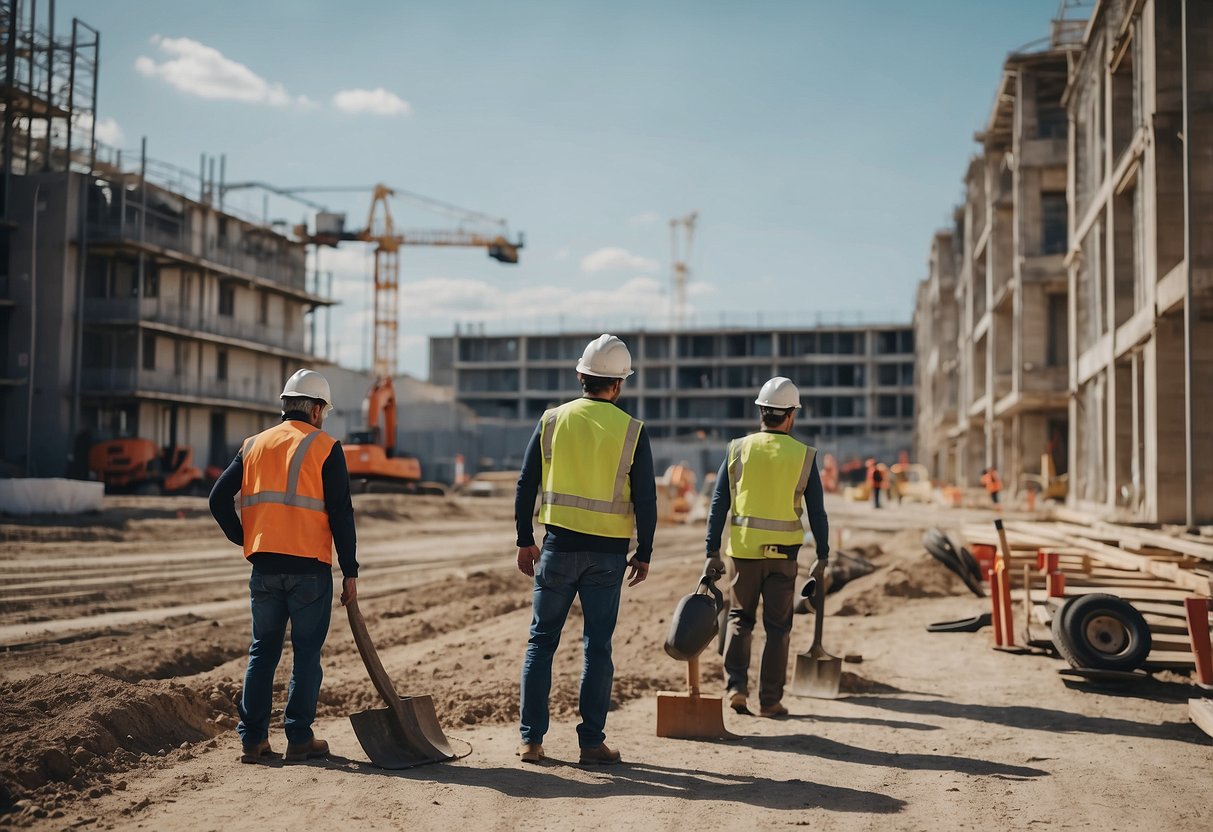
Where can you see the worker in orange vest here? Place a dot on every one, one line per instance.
(990, 479)
(875, 482)
(295, 504)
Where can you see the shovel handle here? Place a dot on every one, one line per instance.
(819, 602)
(370, 658)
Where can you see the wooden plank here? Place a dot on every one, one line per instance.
(1119, 557)
(1201, 711)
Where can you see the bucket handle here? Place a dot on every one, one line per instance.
(710, 585)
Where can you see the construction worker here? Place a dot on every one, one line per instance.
(876, 482)
(766, 481)
(294, 507)
(593, 464)
(993, 484)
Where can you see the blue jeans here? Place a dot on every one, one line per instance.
(559, 577)
(306, 601)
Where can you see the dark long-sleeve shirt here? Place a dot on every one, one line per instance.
(337, 503)
(644, 500)
(814, 503)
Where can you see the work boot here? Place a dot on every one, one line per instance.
(530, 752)
(258, 753)
(313, 749)
(599, 755)
(772, 711)
(737, 701)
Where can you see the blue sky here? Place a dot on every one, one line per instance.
(821, 142)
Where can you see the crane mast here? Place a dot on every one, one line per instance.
(680, 256)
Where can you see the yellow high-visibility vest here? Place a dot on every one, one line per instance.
(768, 475)
(282, 493)
(588, 447)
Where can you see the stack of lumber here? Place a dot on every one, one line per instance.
(1153, 570)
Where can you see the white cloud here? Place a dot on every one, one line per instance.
(645, 218)
(561, 254)
(197, 69)
(464, 298)
(108, 131)
(613, 258)
(377, 102)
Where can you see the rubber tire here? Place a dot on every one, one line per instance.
(1070, 638)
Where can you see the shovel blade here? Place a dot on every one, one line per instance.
(819, 677)
(410, 739)
(687, 716)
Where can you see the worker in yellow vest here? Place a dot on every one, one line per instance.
(591, 464)
(766, 482)
(295, 506)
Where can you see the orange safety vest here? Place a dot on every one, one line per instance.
(282, 493)
(991, 481)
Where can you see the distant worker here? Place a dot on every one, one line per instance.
(766, 480)
(993, 484)
(595, 467)
(294, 506)
(876, 482)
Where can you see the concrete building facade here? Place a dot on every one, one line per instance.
(134, 310)
(936, 341)
(1141, 262)
(1085, 274)
(856, 382)
(1003, 403)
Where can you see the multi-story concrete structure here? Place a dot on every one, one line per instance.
(139, 311)
(856, 382)
(1141, 261)
(1009, 290)
(1093, 343)
(936, 338)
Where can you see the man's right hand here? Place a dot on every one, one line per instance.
(349, 590)
(528, 556)
(713, 567)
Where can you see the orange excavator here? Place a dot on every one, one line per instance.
(370, 455)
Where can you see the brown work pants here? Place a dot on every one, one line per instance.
(774, 582)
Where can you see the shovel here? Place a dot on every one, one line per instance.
(404, 734)
(818, 674)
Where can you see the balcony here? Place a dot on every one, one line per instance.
(128, 381)
(283, 268)
(151, 310)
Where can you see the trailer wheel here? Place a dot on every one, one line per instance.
(1101, 631)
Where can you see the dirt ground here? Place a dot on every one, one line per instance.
(124, 639)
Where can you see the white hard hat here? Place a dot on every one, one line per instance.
(606, 356)
(309, 384)
(779, 393)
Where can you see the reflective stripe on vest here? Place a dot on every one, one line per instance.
(588, 447)
(768, 475)
(282, 493)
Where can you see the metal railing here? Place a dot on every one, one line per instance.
(152, 310)
(118, 380)
(276, 267)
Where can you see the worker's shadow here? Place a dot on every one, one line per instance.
(827, 749)
(1034, 718)
(550, 780)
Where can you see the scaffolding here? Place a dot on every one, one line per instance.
(48, 93)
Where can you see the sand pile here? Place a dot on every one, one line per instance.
(65, 732)
(907, 573)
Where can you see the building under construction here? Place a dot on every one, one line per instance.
(131, 305)
(697, 386)
(1083, 262)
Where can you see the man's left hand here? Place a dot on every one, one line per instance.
(639, 571)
